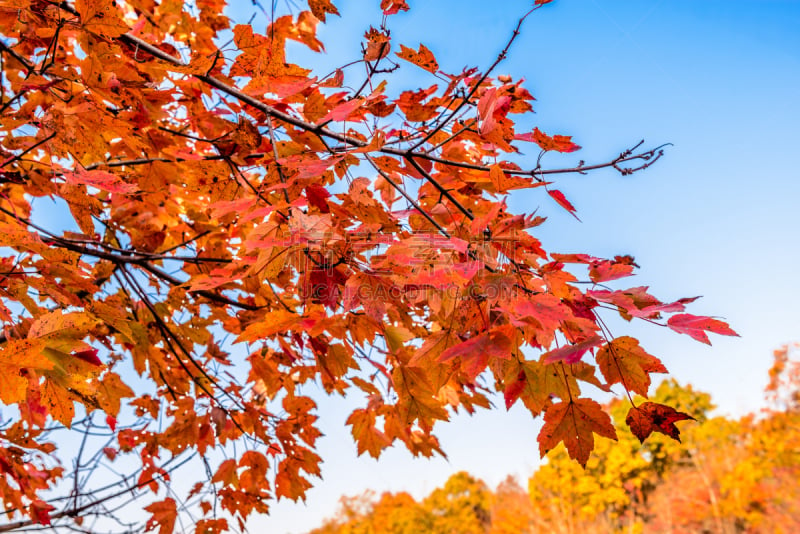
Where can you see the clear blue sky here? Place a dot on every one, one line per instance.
(717, 217)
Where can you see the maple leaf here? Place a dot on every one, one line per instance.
(24, 353)
(211, 526)
(539, 384)
(89, 356)
(324, 285)
(412, 104)
(101, 17)
(227, 473)
(514, 389)
(245, 137)
(317, 196)
(58, 402)
(605, 271)
(343, 111)
(416, 395)
(637, 302)
(492, 106)
(378, 45)
(392, 7)
(623, 361)
(475, 352)
(558, 143)
(110, 391)
(575, 422)
(368, 438)
(163, 515)
(543, 313)
(696, 326)
(422, 58)
(651, 417)
(559, 197)
(503, 182)
(572, 353)
(41, 511)
(103, 180)
(321, 7)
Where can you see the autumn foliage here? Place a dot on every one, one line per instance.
(727, 475)
(196, 233)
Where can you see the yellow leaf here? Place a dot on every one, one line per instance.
(396, 336)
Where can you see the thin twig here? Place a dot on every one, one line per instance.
(500, 57)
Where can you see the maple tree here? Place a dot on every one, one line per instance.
(224, 253)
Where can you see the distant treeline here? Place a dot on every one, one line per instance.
(727, 476)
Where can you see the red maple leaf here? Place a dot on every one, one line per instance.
(40, 511)
(651, 417)
(317, 196)
(572, 353)
(89, 356)
(696, 326)
(392, 7)
(323, 285)
(559, 197)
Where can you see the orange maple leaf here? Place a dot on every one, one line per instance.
(423, 58)
(559, 143)
(575, 422)
(623, 361)
(378, 45)
(163, 515)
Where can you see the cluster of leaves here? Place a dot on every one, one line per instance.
(727, 476)
(213, 197)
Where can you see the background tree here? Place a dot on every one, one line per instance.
(217, 252)
(614, 490)
(725, 476)
(395, 513)
(511, 511)
(461, 505)
(735, 475)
